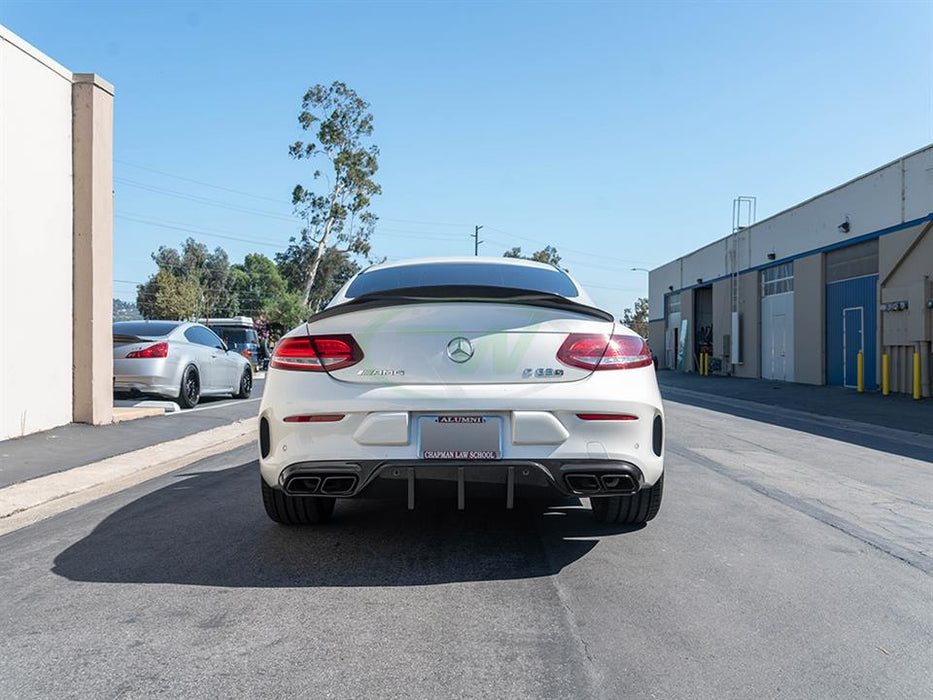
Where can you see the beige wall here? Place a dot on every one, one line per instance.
(749, 326)
(809, 326)
(722, 321)
(905, 261)
(92, 383)
(686, 312)
(55, 191)
(656, 341)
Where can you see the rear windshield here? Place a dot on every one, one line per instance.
(145, 328)
(235, 335)
(536, 279)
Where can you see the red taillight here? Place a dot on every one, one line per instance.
(316, 353)
(157, 350)
(606, 416)
(315, 418)
(246, 353)
(594, 351)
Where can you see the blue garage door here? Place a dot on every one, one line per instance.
(851, 326)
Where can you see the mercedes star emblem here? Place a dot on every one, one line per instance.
(460, 349)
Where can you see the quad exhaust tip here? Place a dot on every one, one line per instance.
(325, 485)
(338, 485)
(609, 483)
(582, 483)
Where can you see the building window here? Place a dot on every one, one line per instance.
(673, 303)
(777, 280)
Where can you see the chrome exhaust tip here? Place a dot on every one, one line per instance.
(582, 483)
(302, 485)
(338, 485)
(619, 483)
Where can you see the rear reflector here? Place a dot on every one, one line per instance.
(157, 350)
(315, 418)
(595, 351)
(606, 416)
(316, 353)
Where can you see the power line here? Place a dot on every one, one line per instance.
(579, 252)
(417, 235)
(264, 198)
(200, 182)
(205, 200)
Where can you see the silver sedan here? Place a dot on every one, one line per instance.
(176, 359)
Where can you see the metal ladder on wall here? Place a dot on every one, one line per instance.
(744, 211)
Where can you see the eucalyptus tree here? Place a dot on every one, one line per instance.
(339, 128)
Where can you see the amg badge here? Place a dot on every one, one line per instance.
(381, 373)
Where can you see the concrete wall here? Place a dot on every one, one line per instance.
(92, 342)
(56, 222)
(686, 312)
(749, 326)
(35, 240)
(809, 310)
(722, 321)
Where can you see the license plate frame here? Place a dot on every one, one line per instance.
(459, 438)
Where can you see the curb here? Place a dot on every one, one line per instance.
(30, 501)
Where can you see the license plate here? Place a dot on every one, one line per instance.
(460, 437)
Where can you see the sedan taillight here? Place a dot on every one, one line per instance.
(316, 353)
(595, 351)
(153, 351)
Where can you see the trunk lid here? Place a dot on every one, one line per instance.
(459, 342)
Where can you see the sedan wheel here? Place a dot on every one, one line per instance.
(190, 388)
(246, 384)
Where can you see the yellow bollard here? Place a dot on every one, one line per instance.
(860, 369)
(917, 376)
(885, 375)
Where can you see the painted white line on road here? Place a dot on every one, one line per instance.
(208, 408)
(36, 499)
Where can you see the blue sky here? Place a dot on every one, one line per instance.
(618, 132)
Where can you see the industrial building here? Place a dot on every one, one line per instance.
(833, 287)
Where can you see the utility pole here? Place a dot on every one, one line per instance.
(476, 240)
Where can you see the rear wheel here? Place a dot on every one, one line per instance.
(246, 384)
(295, 510)
(635, 509)
(190, 392)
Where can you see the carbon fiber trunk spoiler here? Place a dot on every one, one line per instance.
(461, 293)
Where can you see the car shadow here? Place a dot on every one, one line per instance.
(210, 529)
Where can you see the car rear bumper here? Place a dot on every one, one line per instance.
(541, 425)
(159, 376)
(407, 478)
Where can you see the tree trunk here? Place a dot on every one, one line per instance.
(319, 253)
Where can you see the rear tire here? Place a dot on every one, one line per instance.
(635, 509)
(190, 392)
(295, 510)
(246, 384)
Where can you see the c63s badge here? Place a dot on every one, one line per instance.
(545, 372)
(381, 373)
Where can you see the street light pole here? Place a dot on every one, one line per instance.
(476, 240)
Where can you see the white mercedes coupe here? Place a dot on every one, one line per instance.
(460, 376)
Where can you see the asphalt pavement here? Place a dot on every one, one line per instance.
(756, 580)
(76, 444)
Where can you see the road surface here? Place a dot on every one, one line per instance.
(781, 565)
